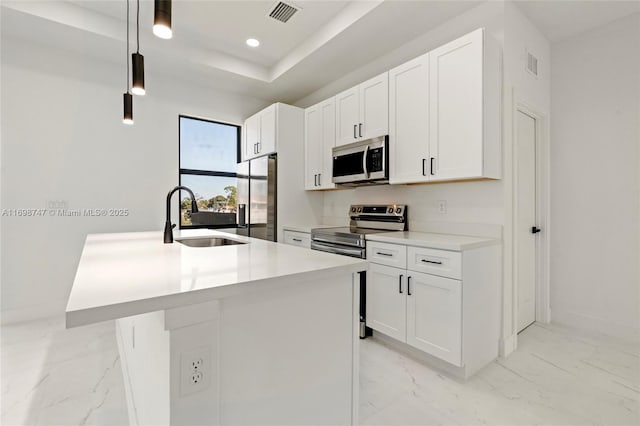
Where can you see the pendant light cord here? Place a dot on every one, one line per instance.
(127, 46)
(138, 26)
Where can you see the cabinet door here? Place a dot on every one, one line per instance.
(409, 121)
(456, 112)
(347, 116)
(325, 156)
(374, 107)
(267, 139)
(434, 316)
(252, 135)
(386, 300)
(312, 145)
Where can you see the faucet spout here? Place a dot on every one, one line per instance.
(168, 227)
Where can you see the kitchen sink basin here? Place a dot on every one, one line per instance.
(208, 242)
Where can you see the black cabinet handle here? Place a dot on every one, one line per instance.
(409, 285)
(355, 126)
(360, 129)
(424, 160)
(384, 254)
(431, 164)
(400, 283)
(297, 240)
(435, 262)
(319, 174)
(535, 229)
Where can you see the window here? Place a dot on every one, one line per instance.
(208, 166)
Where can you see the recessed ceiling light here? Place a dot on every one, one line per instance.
(253, 42)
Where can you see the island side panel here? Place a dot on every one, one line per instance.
(287, 355)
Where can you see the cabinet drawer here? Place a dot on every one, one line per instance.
(387, 254)
(437, 262)
(300, 239)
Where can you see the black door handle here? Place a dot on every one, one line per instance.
(360, 129)
(400, 283)
(355, 126)
(409, 285)
(431, 164)
(424, 160)
(535, 229)
(319, 174)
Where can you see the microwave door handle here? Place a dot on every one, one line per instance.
(364, 161)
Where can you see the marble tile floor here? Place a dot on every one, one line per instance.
(558, 376)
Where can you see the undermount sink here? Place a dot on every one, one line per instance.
(208, 242)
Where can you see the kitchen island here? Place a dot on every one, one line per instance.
(248, 333)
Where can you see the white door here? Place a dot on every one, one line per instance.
(526, 219)
(434, 316)
(252, 135)
(347, 116)
(386, 300)
(325, 156)
(312, 145)
(456, 108)
(409, 121)
(374, 107)
(267, 141)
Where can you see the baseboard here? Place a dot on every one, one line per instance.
(594, 324)
(508, 345)
(32, 312)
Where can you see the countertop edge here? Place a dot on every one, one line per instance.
(416, 242)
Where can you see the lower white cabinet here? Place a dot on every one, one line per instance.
(295, 238)
(453, 319)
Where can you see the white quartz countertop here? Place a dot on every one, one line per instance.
(431, 240)
(305, 228)
(127, 274)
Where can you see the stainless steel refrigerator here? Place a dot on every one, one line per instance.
(256, 197)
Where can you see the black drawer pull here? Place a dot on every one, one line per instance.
(384, 254)
(297, 240)
(435, 262)
(400, 283)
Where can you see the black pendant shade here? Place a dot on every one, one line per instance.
(137, 61)
(127, 118)
(162, 19)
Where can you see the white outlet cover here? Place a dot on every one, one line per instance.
(189, 361)
(442, 206)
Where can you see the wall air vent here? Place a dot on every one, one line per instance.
(281, 11)
(532, 64)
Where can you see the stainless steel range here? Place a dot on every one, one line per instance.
(351, 240)
(365, 219)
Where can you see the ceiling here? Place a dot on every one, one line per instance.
(319, 44)
(561, 19)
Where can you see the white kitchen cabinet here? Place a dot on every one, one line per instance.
(295, 238)
(434, 316)
(320, 138)
(386, 302)
(409, 121)
(260, 133)
(451, 313)
(362, 112)
(444, 110)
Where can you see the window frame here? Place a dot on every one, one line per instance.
(197, 172)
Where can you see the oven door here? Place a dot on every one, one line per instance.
(350, 166)
(339, 249)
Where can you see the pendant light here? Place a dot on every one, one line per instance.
(162, 19)
(137, 60)
(127, 117)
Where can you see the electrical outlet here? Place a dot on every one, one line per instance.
(442, 206)
(195, 370)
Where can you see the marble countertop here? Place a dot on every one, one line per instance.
(431, 240)
(127, 274)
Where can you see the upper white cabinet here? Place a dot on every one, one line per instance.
(459, 137)
(362, 112)
(319, 139)
(260, 133)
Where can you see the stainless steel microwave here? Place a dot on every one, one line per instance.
(361, 163)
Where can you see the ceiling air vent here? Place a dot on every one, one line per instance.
(532, 64)
(281, 11)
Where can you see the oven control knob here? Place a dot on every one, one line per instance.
(353, 209)
(359, 209)
(399, 209)
(390, 210)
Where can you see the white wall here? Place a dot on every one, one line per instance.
(63, 140)
(595, 150)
